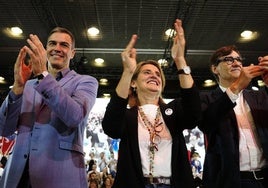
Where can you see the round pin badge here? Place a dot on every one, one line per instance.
(168, 111)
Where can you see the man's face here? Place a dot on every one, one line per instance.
(59, 50)
(229, 68)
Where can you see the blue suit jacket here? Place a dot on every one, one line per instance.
(221, 167)
(50, 118)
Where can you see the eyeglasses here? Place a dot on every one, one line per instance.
(230, 60)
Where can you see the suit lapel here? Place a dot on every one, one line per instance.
(66, 78)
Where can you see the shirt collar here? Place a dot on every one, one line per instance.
(62, 73)
(222, 88)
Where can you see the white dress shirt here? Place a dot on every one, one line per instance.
(250, 151)
(162, 158)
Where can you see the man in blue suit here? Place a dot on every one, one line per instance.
(49, 114)
(235, 122)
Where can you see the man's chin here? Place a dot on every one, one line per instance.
(56, 64)
(236, 72)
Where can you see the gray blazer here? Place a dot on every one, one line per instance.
(50, 118)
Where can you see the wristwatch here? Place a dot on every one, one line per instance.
(184, 70)
(41, 76)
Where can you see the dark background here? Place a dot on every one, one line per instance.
(208, 24)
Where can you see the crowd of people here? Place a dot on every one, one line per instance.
(49, 104)
(101, 170)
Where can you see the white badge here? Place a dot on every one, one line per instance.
(168, 111)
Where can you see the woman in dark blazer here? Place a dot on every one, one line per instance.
(152, 149)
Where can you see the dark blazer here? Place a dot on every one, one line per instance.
(121, 122)
(221, 167)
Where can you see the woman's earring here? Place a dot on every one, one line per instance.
(134, 89)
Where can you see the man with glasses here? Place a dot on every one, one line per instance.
(235, 122)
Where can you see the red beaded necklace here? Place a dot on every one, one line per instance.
(154, 130)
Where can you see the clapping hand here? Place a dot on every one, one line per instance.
(37, 53)
(22, 72)
(129, 55)
(178, 47)
(129, 65)
(263, 61)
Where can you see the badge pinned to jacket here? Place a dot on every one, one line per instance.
(168, 111)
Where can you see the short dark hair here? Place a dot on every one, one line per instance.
(220, 52)
(223, 51)
(63, 30)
